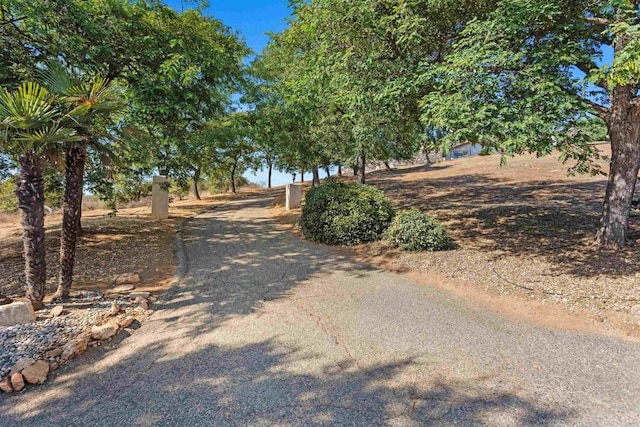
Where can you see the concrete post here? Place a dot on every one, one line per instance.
(160, 198)
(294, 196)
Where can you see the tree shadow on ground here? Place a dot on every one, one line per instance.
(553, 220)
(185, 379)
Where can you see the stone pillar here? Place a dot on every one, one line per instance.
(294, 196)
(160, 198)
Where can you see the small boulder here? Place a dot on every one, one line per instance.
(126, 322)
(127, 278)
(123, 288)
(54, 366)
(21, 364)
(144, 305)
(105, 331)
(5, 385)
(16, 313)
(74, 347)
(53, 353)
(36, 373)
(139, 294)
(56, 311)
(17, 381)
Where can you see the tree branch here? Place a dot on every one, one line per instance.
(586, 69)
(598, 21)
(602, 112)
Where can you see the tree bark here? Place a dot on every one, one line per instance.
(196, 179)
(270, 165)
(30, 192)
(233, 176)
(340, 170)
(362, 172)
(74, 174)
(623, 123)
(316, 176)
(301, 176)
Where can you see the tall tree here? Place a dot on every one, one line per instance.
(29, 126)
(535, 76)
(88, 101)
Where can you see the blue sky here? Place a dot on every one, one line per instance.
(252, 19)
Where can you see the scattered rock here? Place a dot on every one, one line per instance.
(36, 373)
(105, 331)
(123, 288)
(126, 322)
(21, 364)
(54, 366)
(17, 381)
(56, 311)
(16, 313)
(115, 309)
(127, 278)
(74, 347)
(5, 300)
(138, 300)
(139, 294)
(5, 385)
(144, 305)
(53, 353)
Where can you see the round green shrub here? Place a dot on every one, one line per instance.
(414, 231)
(338, 213)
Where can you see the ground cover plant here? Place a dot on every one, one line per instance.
(412, 230)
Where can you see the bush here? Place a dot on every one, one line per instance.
(338, 213)
(414, 231)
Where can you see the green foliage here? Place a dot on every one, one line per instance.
(338, 213)
(8, 199)
(414, 231)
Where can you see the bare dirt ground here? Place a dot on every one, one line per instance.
(523, 235)
(131, 242)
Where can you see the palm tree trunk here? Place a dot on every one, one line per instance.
(71, 207)
(30, 192)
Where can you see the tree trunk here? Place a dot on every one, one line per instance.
(270, 165)
(355, 168)
(301, 176)
(327, 171)
(196, 179)
(387, 167)
(233, 176)
(316, 176)
(623, 123)
(30, 192)
(363, 162)
(340, 170)
(71, 205)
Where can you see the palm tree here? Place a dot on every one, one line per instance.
(29, 126)
(86, 101)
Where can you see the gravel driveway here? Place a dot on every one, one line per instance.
(268, 330)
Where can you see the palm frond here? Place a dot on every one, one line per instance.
(30, 106)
